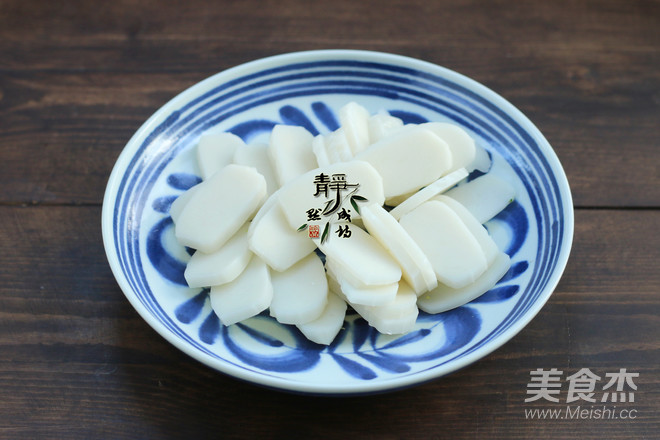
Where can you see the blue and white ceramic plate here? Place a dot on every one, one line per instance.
(307, 89)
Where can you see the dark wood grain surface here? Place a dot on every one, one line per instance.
(78, 78)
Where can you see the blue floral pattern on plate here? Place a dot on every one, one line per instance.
(306, 89)
(460, 325)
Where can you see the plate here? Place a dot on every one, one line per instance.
(307, 89)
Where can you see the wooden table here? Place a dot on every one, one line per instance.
(78, 78)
